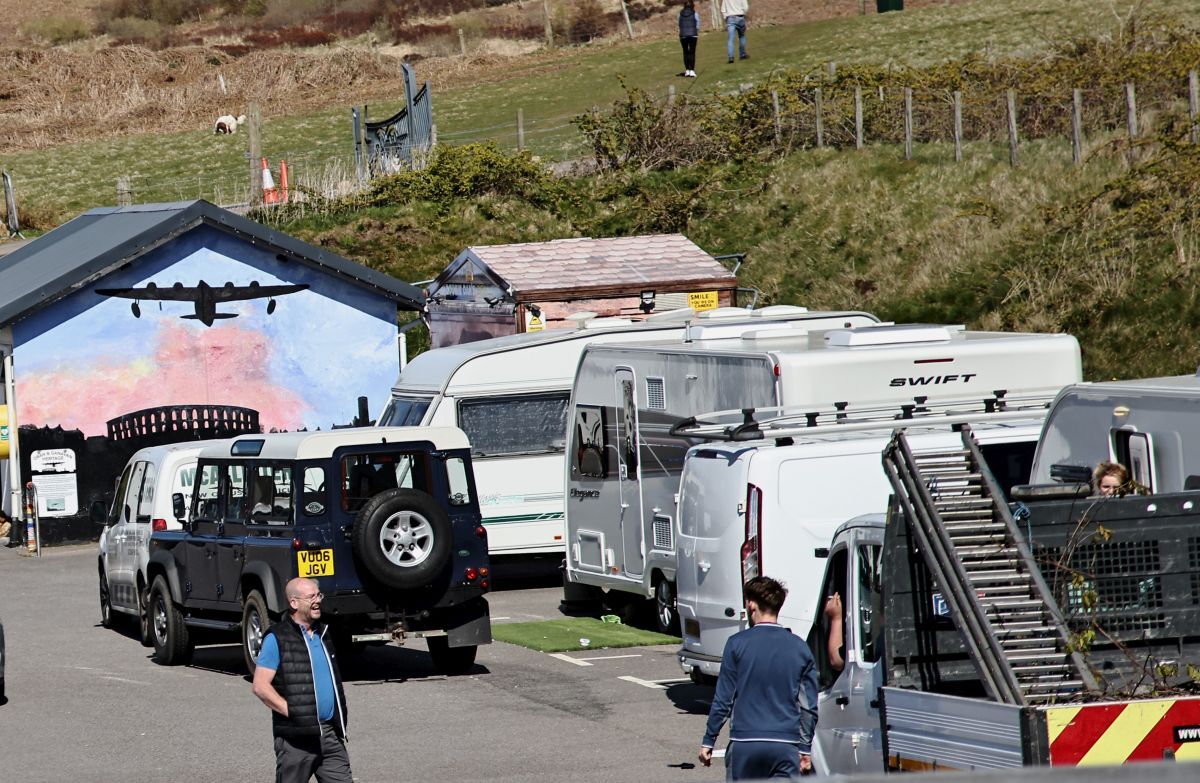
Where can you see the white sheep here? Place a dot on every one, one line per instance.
(227, 123)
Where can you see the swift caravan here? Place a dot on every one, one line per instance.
(510, 395)
(626, 450)
(772, 506)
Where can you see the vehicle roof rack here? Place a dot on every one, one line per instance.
(783, 422)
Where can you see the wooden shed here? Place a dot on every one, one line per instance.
(496, 290)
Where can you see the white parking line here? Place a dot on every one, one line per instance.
(656, 684)
(568, 659)
(585, 661)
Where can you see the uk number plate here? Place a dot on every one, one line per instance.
(315, 562)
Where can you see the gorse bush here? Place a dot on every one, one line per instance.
(56, 30)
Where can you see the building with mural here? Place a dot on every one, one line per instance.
(173, 316)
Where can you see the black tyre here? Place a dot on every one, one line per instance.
(145, 632)
(106, 611)
(666, 613)
(451, 660)
(402, 538)
(255, 624)
(172, 643)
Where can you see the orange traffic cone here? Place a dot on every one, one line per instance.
(270, 194)
(283, 179)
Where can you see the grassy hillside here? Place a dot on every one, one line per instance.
(473, 99)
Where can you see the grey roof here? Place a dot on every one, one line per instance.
(103, 239)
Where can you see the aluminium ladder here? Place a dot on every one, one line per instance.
(994, 590)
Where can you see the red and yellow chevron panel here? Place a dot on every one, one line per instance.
(1117, 732)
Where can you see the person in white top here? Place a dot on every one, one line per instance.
(734, 12)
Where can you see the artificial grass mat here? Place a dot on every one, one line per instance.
(564, 635)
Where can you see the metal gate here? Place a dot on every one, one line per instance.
(397, 143)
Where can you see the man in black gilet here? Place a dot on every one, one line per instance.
(297, 677)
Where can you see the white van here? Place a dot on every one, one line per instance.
(772, 508)
(630, 402)
(141, 505)
(510, 395)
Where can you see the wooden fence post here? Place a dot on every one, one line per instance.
(625, 13)
(124, 191)
(1077, 126)
(1131, 124)
(1194, 104)
(832, 70)
(820, 123)
(1012, 126)
(957, 126)
(462, 43)
(670, 95)
(254, 134)
(549, 27)
(908, 124)
(520, 129)
(775, 116)
(858, 118)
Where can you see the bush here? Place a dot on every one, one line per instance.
(468, 171)
(588, 23)
(291, 13)
(131, 29)
(167, 12)
(56, 30)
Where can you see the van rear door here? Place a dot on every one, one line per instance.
(712, 527)
(628, 465)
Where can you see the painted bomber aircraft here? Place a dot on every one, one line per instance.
(205, 296)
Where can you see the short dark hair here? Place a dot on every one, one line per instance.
(768, 593)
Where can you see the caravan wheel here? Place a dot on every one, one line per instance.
(666, 614)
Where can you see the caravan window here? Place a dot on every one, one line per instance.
(405, 411)
(531, 424)
(591, 455)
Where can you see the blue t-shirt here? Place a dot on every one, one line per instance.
(268, 658)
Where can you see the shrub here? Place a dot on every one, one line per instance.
(56, 30)
(131, 29)
(167, 12)
(291, 13)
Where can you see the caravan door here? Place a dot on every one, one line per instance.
(628, 467)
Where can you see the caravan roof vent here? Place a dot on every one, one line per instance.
(888, 335)
(678, 314)
(778, 311)
(723, 312)
(581, 318)
(778, 333)
(601, 323)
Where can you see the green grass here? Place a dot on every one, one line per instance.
(552, 89)
(565, 635)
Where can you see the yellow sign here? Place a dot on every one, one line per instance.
(314, 562)
(4, 441)
(534, 323)
(702, 300)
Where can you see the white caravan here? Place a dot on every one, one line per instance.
(771, 507)
(510, 394)
(626, 451)
(1149, 425)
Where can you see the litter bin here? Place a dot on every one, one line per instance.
(889, 5)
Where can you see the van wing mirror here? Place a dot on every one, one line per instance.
(1071, 474)
(98, 512)
(178, 507)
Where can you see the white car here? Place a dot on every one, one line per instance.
(141, 505)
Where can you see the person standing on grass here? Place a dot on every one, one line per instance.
(689, 33)
(769, 682)
(297, 677)
(734, 12)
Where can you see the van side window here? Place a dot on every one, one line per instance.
(129, 501)
(236, 492)
(590, 455)
(366, 475)
(870, 603)
(460, 487)
(146, 503)
(835, 582)
(118, 503)
(532, 424)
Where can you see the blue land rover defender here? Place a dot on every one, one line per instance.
(385, 519)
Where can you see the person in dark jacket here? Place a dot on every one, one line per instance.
(297, 677)
(769, 682)
(689, 33)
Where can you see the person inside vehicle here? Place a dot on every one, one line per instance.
(1110, 479)
(836, 643)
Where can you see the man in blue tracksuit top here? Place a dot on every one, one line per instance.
(769, 682)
